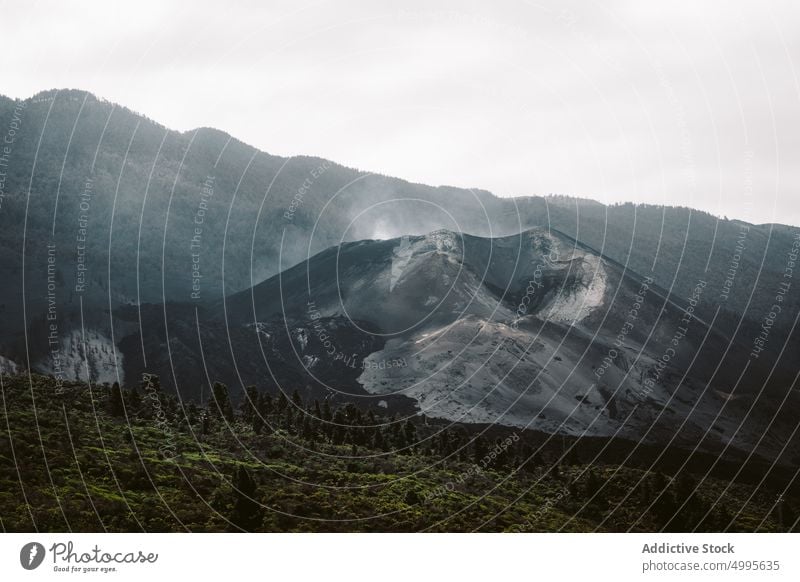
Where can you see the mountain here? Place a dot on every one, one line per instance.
(532, 330)
(125, 211)
(129, 248)
(145, 207)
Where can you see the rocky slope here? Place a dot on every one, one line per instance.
(535, 331)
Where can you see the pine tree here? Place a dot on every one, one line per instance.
(297, 400)
(222, 402)
(593, 484)
(134, 398)
(288, 418)
(246, 512)
(339, 430)
(664, 507)
(257, 421)
(479, 450)
(249, 404)
(191, 413)
(378, 441)
(205, 422)
(115, 405)
(282, 404)
(410, 433)
(327, 417)
(266, 405)
(307, 429)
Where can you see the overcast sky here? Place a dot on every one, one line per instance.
(662, 102)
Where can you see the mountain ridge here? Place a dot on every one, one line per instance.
(262, 215)
(74, 92)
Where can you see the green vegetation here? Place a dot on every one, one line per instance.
(104, 458)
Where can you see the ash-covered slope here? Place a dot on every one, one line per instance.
(412, 282)
(537, 331)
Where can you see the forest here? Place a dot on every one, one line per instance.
(80, 457)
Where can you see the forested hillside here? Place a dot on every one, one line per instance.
(101, 458)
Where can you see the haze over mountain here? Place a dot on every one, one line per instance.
(107, 212)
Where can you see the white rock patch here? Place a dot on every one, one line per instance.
(572, 307)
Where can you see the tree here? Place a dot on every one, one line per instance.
(135, 398)
(115, 405)
(664, 506)
(378, 442)
(479, 451)
(205, 422)
(222, 401)
(297, 400)
(327, 416)
(339, 430)
(246, 512)
(410, 433)
(307, 429)
(265, 405)
(593, 484)
(257, 421)
(282, 403)
(249, 405)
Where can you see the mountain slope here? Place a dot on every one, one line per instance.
(120, 236)
(536, 331)
(118, 197)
